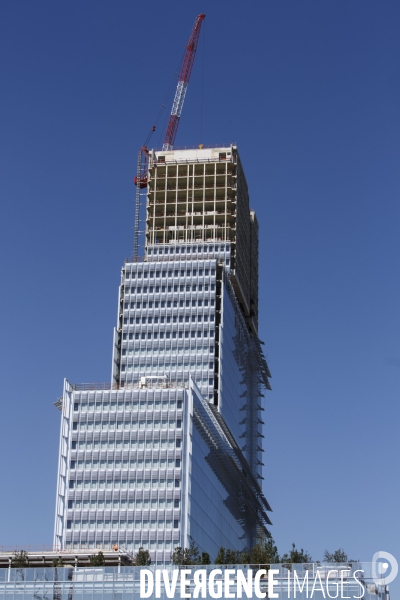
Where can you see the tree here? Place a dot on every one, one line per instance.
(264, 552)
(231, 557)
(205, 559)
(58, 562)
(220, 560)
(20, 560)
(142, 558)
(178, 555)
(194, 554)
(187, 556)
(245, 558)
(339, 556)
(296, 556)
(97, 560)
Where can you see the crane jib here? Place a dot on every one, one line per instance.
(184, 77)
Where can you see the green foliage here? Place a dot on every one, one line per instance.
(20, 560)
(178, 555)
(97, 560)
(188, 556)
(142, 558)
(58, 562)
(231, 557)
(205, 559)
(264, 552)
(339, 556)
(296, 556)
(220, 560)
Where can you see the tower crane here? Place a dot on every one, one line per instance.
(141, 177)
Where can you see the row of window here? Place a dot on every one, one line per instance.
(175, 319)
(124, 484)
(124, 524)
(170, 303)
(194, 351)
(127, 425)
(125, 444)
(155, 335)
(169, 288)
(170, 273)
(176, 249)
(139, 504)
(126, 406)
(180, 363)
(140, 463)
(133, 372)
(129, 545)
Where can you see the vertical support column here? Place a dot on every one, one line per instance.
(218, 316)
(137, 208)
(186, 467)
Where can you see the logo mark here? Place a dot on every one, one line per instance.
(379, 567)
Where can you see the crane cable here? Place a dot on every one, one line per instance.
(171, 87)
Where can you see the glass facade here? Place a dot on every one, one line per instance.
(136, 465)
(207, 501)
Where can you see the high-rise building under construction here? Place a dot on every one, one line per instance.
(171, 449)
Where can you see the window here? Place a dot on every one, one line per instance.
(176, 524)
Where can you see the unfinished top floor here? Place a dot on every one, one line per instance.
(200, 196)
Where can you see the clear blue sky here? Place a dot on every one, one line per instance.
(310, 92)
